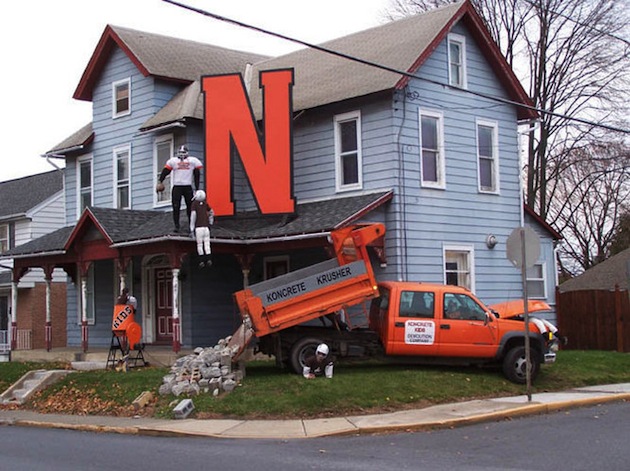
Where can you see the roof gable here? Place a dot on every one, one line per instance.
(173, 59)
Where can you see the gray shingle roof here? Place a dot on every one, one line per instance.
(22, 194)
(181, 59)
(77, 140)
(175, 59)
(132, 227)
(604, 275)
(322, 78)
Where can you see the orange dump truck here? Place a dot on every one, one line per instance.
(407, 321)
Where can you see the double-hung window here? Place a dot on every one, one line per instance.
(458, 266)
(162, 151)
(122, 165)
(457, 60)
(4, 237)
(536, 286)
(348, 158)
(432, 149)
(488, 156)
(121, 98)
(84, 183)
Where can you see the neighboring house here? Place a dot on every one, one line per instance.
(31, 207)
(607, 275)
(428, 151)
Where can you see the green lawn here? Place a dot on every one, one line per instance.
(268, 392)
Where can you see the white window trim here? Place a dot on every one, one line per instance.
(543, 271)
(115, 84)
(276, 258)
(461, 40)
(115, 153)
(470, 249)
(441, 163)
(495, 161)
(338, 119)
(81, 160)
(158, 169)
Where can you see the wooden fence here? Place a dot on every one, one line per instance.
(595, 319)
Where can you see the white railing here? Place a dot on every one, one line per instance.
(24, 339)
(5, 342)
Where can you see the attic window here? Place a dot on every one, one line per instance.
(457, 60)
(121, 99)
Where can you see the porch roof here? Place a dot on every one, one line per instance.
(132, 227)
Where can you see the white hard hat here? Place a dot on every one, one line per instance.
(322, 348)
(200, 195)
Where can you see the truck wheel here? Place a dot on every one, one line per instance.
(514, 366)
(302, 349)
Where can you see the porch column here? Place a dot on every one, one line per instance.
(84, 324)
(177, 337)
(245, 261)
(48, 332)
(14, 299)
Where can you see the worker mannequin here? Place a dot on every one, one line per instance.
(320, 364)
(201, 218)
(185, 169)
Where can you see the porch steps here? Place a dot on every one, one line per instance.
(29, 384)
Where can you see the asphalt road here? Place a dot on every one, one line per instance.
(591, 438)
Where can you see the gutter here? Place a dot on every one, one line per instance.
(58, 152)
(225, 240)
(34, 254)
(176, 124)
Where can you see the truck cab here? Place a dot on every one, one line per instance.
(445, 321)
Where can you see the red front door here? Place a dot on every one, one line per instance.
(164, 304)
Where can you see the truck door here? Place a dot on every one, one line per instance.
(463, 330)
(413, 324)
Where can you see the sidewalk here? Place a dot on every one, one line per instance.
(446, 415)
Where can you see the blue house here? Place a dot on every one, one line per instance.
(413, 124)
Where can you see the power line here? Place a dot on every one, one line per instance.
(389, 69)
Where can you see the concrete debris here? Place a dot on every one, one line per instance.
(205, 371)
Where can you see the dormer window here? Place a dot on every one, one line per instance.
(121, 98)
(457, 60)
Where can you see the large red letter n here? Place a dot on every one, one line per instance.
(229, 121)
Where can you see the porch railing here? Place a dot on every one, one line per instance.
(5, 341)
(24, 339)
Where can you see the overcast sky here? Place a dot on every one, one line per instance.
(46, 45)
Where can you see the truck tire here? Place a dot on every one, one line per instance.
(301, 350)
(514, 365)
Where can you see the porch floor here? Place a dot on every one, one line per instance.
(155, 355)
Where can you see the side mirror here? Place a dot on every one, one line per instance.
(487, 318)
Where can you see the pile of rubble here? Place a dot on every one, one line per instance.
(206, 370)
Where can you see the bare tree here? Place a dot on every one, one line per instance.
(621, 237)
(590, 201)
(574, 59)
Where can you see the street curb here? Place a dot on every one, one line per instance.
(515, 412)
(521, 411)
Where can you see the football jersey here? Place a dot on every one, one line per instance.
(182, 169)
